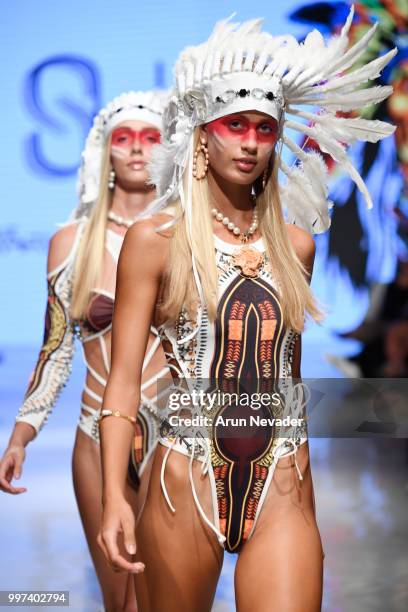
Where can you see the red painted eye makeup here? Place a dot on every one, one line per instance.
(239, 127)
(124, 137)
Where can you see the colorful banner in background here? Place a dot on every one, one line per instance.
(375, 241)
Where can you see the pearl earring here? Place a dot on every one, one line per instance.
(202, 151)
(111, 180)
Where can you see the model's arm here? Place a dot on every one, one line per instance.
(305, 248)
(54, 360)
(140, 270)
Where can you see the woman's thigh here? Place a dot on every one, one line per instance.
(117, 588)
(182, 555)
(280, 569)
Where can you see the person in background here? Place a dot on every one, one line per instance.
(83, 255)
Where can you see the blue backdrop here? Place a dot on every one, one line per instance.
(60, 62)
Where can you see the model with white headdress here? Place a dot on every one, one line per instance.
(113, 190)
(228, 257)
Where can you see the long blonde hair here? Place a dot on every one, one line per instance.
(89, 259)
(296, 297)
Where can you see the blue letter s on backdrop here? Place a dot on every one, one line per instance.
(63, 94)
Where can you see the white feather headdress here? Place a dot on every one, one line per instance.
(142, 105)
(302, 85)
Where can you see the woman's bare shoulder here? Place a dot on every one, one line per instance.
(148, 232)
(61, 244)
(145, 242)
(303, 243)
(301, 240)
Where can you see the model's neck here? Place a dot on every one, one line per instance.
(130, 204)
(232, 200)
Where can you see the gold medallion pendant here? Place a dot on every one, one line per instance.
(250, 260)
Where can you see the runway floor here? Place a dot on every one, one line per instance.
(361, 494)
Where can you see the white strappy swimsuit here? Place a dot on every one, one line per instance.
(55, 361)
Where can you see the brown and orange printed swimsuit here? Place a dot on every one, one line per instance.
(247, 348)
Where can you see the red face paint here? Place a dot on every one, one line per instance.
(125, 137)
(238, 127)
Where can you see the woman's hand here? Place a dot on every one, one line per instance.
(11, 466)
(118, 518)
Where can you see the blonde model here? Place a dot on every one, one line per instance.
(226, 278)
(82, 262)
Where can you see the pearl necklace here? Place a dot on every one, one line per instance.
(243, 236)
(121, 220)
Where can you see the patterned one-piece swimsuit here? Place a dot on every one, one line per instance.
(247, 349)
(55, 360)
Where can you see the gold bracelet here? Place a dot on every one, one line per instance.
(116, 413)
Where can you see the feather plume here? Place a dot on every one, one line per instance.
(309, 70)
(181, 83)
(352, 55)
(261, 61)
(222, 30)
(327, 66)
(333, 148)
(227, 63)
(345, 101)
(369, 72)
(346, 28)
(294, 148)
(198, 71)
(215, 68)
(348, 130)
(249, 59)
(305, 195)
(237, 64)
(208, 66)
(189, 76)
